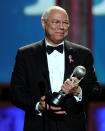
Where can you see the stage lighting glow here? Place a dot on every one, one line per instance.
(11, 119)
(99, 118)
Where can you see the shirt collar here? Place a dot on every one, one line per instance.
(47, 43)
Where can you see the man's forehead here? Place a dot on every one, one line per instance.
(55, 13)
(58, 11)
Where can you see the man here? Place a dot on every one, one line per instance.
(40, 71)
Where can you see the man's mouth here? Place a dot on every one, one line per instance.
(60, 32)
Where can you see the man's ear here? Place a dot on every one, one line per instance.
(43, 23)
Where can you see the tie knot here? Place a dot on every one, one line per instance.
(50, 49)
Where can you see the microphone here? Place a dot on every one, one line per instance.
(56, 98)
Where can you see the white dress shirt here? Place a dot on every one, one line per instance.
(56, 68)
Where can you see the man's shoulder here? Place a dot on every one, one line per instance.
(31, 46)
(30, 49)
(76, 46)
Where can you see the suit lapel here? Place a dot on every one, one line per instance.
(41, 65)
(44, 65)
(70, 59)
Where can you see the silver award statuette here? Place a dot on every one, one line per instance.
(78, 72)
(56, 98)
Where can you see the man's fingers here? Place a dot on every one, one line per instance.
(45, 106)
(61, 112)
(53, 108)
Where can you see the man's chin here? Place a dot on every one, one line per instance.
(59, 41)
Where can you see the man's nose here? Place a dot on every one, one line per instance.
(61, 25)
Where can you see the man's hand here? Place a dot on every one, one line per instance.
(44, 106)
(71, 86)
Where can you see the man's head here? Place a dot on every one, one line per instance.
(55, 22)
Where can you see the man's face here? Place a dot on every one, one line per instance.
(56, 27)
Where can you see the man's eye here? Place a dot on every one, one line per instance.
(56, 22)
(66, 23)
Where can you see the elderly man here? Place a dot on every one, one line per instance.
(45, 67)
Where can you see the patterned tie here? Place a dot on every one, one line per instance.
(50, 49)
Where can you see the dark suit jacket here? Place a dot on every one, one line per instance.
(30, 81)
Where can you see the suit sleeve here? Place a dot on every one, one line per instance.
(20, 94)
(90, 86)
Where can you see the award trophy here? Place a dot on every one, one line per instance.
(56, 98)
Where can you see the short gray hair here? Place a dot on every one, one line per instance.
(47, 12)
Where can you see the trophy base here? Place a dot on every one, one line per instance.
(54, 99)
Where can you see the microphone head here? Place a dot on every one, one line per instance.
(79, 72)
